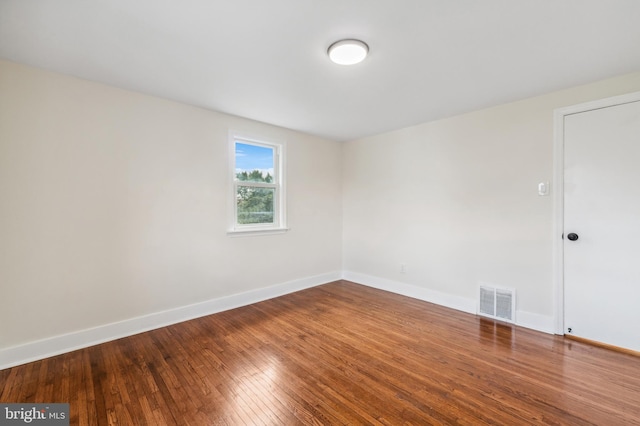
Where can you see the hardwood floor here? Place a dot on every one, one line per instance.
(339, 354)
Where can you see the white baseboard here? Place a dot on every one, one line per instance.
(57, 345)
(443, 299)
(523, 319)
(536, 322)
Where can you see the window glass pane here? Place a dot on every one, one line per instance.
(254, 163)
(255, 205)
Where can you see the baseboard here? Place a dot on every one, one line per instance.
(523, 319)
(603, 345)
(536, 322)
(57, 345)
(443, 299)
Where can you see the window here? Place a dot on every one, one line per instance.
(258, 190)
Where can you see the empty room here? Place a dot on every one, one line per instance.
(296, 212)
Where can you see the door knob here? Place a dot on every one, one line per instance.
(572, 236)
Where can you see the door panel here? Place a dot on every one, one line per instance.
(602, 206)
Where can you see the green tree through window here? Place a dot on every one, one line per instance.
(255, 204)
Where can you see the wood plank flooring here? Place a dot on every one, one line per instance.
(337, 354)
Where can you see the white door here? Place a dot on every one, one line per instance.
(602, 208)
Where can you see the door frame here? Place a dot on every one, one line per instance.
(558, 201)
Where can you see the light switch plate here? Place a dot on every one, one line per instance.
(543, 189)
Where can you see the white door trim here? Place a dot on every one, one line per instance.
(558, 201)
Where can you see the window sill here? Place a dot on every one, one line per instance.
(256, 232)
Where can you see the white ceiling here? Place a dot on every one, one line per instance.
(266, 59)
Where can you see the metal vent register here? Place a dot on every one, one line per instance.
(497, 302)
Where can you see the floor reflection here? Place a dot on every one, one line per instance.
(257, 392)
(496, 332)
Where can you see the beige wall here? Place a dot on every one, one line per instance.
(456, 200)
(113, 205)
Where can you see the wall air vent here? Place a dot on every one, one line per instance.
(497, 303)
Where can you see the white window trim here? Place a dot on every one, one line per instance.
(279, 225)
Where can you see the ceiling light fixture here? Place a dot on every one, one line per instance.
(348, 52)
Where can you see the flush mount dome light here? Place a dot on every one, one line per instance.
(348, 52)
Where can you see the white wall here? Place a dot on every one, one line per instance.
(456, 201)
(113, 205)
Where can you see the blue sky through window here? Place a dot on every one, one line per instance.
(253, 157)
